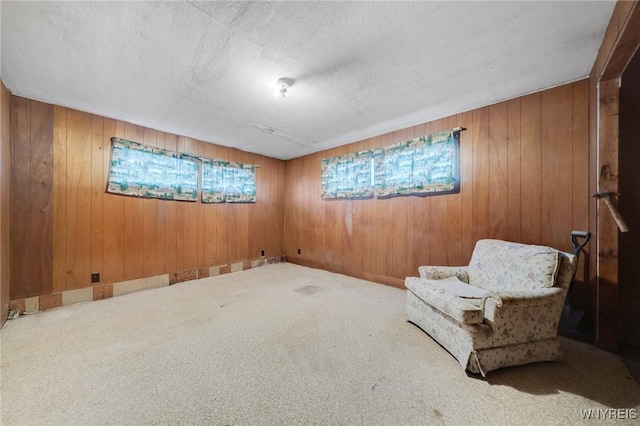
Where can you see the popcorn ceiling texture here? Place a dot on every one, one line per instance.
(206, 69)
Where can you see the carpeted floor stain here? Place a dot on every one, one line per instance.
(309, 290)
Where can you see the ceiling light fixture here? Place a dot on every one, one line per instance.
(280, 89)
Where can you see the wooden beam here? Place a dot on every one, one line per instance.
(607, 287)
(625, 47)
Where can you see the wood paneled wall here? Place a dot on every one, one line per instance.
(120, 237)
(524, 167)
(31, 197)
(5, 200)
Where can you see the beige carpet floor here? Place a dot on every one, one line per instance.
(278, 345)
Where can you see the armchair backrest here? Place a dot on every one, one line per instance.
(498, 265)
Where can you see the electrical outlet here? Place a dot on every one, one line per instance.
(262, 253)
(298, 251)
(95, 278)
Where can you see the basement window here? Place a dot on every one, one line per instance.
(427, 165)
(348, 176)
(228, 182)
(145, 171)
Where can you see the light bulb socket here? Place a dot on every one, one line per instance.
(282, 87)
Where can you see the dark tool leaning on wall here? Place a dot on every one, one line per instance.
(571, 316)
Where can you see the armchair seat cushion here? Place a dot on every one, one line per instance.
(463, 305)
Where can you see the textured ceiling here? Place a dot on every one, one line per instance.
(206, 69)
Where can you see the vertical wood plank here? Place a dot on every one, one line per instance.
(78, 199)
(98, 185)
(41, 220)
(607, 232)
(481, 165)
(20, 197)
(513, 170)
(556, 167)
(59, 198)
(531, 171)
(498, 187)
(113, 218)
(454, 214)
(580, 171)
(466, 186)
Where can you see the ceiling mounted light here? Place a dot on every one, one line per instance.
(281, 87)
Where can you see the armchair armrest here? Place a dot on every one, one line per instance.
(523, 316)
(442, 272)
(529, 298)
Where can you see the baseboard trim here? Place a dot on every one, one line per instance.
(29, 305)
(380, 279)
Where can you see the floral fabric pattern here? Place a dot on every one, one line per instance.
(517, 325)
(501, 265)
(461, 309)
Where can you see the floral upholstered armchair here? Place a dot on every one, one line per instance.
(501, 310)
